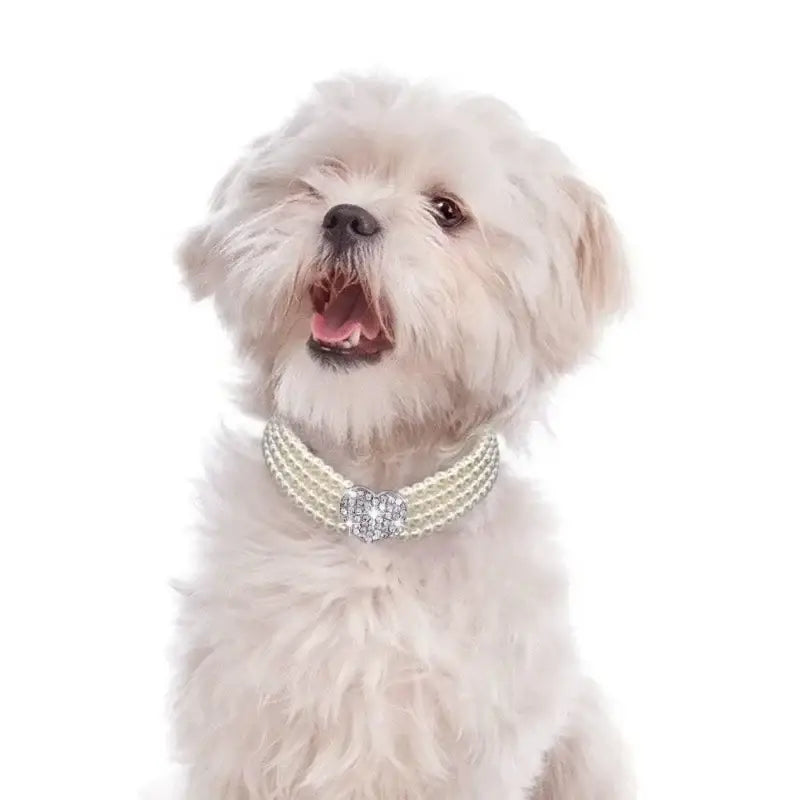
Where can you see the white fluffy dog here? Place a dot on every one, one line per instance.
(402, 271)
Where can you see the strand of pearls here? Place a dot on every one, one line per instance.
(336, 503)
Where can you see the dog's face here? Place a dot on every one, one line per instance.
(396, 259)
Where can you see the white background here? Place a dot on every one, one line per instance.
(673, 459)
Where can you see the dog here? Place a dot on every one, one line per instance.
(405, 273)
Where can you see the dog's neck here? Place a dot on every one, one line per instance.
(391, 462)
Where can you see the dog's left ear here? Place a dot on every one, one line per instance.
(590, 278)
(602, 271)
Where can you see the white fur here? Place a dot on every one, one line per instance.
(315, 666)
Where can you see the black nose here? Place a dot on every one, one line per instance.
(345, 224)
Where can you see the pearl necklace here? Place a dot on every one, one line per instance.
(410, 512)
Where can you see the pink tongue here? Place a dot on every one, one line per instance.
(347, 311)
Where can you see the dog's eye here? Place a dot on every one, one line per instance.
(446, 211)
(301, 186)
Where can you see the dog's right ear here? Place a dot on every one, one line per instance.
(193, 257)
(200, 254)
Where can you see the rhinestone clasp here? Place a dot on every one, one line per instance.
(371, 516)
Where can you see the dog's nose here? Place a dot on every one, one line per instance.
(346, 223)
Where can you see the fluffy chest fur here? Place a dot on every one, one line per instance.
(319, 666)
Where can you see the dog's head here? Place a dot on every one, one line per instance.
(397, 259)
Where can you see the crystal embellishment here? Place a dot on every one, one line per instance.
(371, 516)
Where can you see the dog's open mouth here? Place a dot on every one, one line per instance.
(346, 326)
